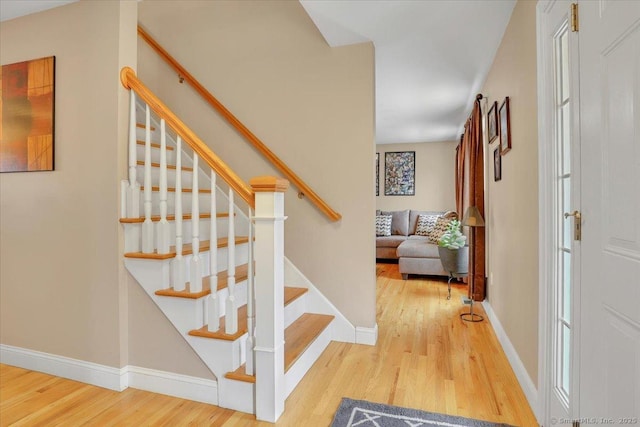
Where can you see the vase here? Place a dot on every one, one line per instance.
(455, 260)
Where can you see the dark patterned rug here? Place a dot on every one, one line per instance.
(352, 413)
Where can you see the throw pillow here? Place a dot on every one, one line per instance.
(383, 225)
(426, 224)
(438, 230)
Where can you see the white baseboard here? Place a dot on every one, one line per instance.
(176, 385)
(65, 367)
(169, 383)
(522, 375)
(367, 336)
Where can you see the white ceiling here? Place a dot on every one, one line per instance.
(432, 56)
(10, 9)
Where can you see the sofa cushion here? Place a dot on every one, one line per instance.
(425, 224)
(438, 230)
(389, 241)
(416, 237)
(383, 225)
(399, 222)
(413, 218)
(417, 249)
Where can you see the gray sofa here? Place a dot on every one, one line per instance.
(415, 254)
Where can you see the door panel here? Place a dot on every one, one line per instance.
(610, 289)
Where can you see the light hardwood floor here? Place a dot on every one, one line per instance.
(426, 358)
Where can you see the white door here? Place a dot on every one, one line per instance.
(560, 192)
(610, 158)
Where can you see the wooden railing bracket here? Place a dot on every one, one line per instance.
(300, 195)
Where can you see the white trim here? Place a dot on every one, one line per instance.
(545, 208)
(368, 336)
(172, 384)
(65, 367)
(118, 379)
(522, 375)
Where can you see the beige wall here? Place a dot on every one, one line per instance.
(311, 104)
(435, 177)
(513, 202)
(61, 274)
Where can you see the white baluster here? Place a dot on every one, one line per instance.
(133, 190)
(251, 339)
(196, 262)
(231, 311)
(147, 225)
(178, 261)
(163, 229)
(213, 305)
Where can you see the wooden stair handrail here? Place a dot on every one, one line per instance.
(130, 81)
(305, 190)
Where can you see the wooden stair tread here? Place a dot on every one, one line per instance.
(173, 190)
(301, 333)
(240, 374)
(185, 217)
(143, 126)
(153, 144)
(241, 276)
(157, 165)
(291, 294)
(297, 338)
(186, 249)
(220, 334)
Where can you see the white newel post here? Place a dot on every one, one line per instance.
(269, 293)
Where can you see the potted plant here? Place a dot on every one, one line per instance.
(454, 255)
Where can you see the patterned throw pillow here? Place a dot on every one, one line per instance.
(383, 225)
(426, 224)
(438, 230)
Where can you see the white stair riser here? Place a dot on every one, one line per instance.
(295, 309)
(297, 371)
(241, 258)
(171, 177)
(238, 395)
(185, 198)
(133, 233)
(155, 158)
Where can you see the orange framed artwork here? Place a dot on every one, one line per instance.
(27, 116)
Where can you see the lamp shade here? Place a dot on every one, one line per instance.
(472, 217)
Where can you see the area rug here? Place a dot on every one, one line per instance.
(352, 413)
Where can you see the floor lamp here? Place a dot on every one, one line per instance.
(472, 219)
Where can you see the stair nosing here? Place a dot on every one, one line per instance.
(204, 246)
(153, 144)
(241, 275)
(157, 165)
(173, 190)
(185, 217)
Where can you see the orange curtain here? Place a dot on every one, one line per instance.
(470, 157)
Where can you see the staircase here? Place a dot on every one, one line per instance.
(215, 267)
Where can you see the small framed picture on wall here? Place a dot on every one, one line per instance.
(492, 122)
(505, 127)
(497, 164)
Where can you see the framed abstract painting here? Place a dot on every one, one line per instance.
(27, 116)
(400, 173)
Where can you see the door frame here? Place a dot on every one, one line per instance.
(547, 231)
